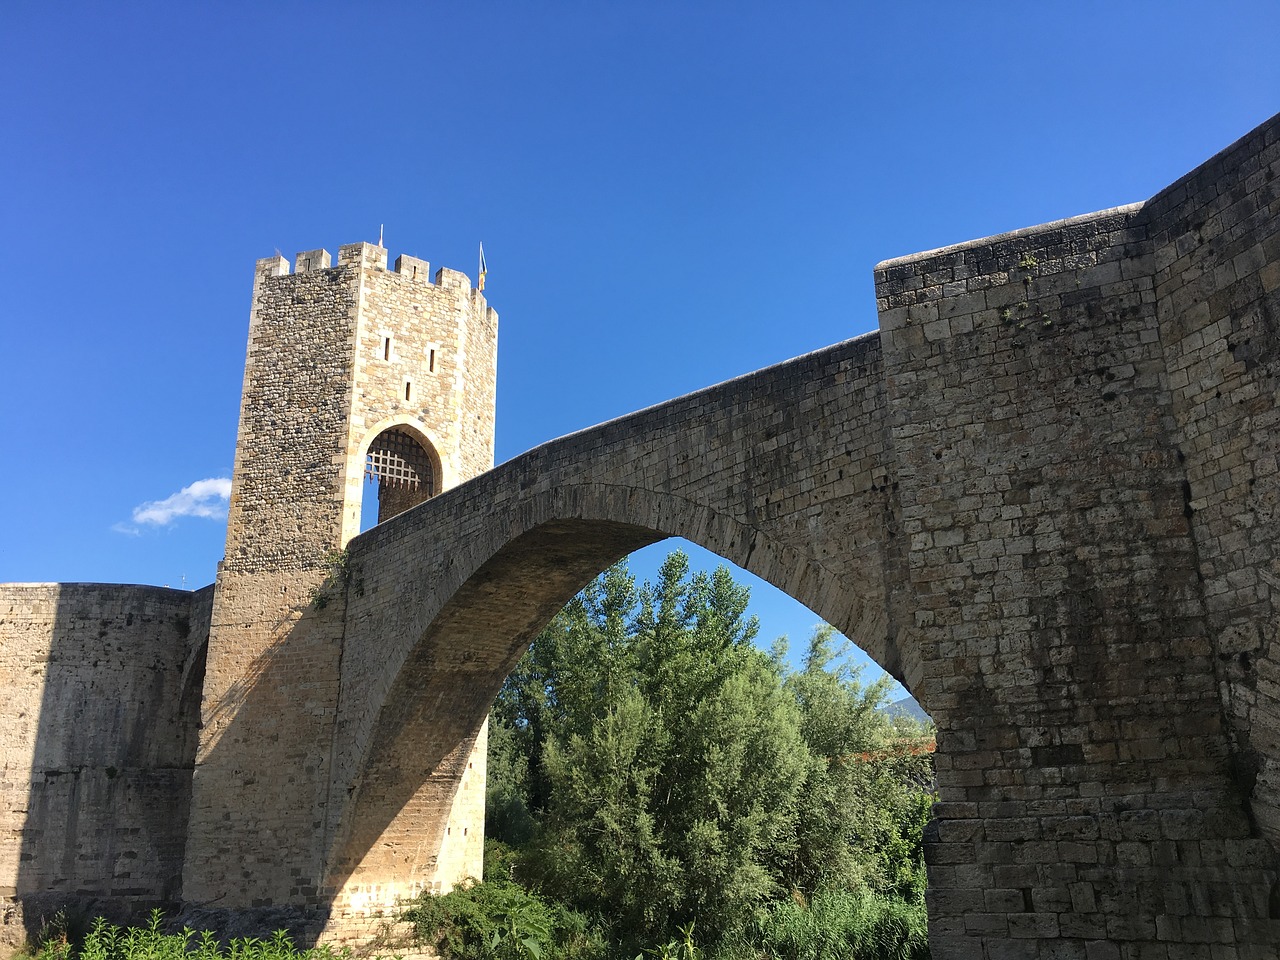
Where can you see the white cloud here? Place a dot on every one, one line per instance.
(204, 498)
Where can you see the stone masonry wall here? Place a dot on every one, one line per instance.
(286, 505)
(285, 518)
(1087, 804)
(442, 341)
(101, 687)
(1216, 239)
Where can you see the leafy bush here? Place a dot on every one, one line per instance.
(500, 920)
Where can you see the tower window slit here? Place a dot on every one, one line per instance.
(431, 361)
(408, 387)
(386, 348)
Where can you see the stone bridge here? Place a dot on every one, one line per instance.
(1044, 496)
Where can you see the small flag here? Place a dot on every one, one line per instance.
(484, 268)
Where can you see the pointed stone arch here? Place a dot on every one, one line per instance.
(419, 676)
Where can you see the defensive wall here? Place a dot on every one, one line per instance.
(1043, 495)
(100, 686)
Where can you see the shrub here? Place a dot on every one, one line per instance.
(500, 920)
(106, 941)
(843, 924)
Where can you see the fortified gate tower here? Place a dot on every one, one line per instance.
(353, 371)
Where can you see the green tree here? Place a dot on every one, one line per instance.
(507, 817)
(679, 776)
(569, 670)
(665, 757)
(869, 794)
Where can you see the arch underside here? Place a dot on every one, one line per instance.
(786, 473)
(398, 772)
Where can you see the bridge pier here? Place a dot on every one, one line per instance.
(1082, 458)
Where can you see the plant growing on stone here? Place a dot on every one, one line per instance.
(339, 575)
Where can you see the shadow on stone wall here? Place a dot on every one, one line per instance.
(104, 699)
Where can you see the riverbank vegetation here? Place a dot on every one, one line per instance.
(659, 786)
(107, 941)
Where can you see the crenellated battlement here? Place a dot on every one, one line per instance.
(422, 350)
(364, 256)
(311, 260)
(412, 267)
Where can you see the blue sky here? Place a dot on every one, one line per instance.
(669, 194)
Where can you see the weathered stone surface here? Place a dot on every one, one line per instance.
(338, 355)
(100, 698)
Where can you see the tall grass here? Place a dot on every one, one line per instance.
(840, 924)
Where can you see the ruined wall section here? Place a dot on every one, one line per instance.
(101, 686)
(1082, 762)
(1216, 236)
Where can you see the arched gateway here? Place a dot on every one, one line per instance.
(1044, 496)
(403, 468)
